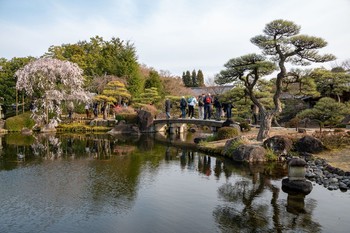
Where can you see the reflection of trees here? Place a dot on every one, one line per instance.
(113, 185)
(244, 212)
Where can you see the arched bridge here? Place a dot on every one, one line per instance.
(180, 124)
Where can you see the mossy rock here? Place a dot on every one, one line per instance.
(226, 133)
(17, 123)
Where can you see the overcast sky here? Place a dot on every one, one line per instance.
(173, 35)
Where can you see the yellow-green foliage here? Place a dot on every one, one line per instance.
(80, 127)
(17, 123)
(270, 155)
(226, 133)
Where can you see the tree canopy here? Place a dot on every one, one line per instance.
(281, 41)
(49, 81)
(248, 69)
(326, 111)
(331, 83)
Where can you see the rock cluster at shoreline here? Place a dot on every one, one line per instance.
(324, 174)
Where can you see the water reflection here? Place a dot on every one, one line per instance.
(244, 204)
(85, 180)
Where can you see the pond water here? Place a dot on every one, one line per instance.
(99, 183)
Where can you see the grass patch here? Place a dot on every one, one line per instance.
(81, 127)
(17, 123)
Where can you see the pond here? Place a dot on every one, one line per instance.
(102, 183)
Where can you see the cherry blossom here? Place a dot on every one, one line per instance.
(48, 82)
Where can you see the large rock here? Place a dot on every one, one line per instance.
(232, 144)
(230, 123)
(26, 131)
(48, 128)
(249, 153)
(309, 144)
(125, 129)
(280, 145)
(145, 121)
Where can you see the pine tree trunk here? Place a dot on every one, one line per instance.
(265, 126)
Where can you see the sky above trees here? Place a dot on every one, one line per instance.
(169, 35)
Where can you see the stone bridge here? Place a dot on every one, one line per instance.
(180, 125)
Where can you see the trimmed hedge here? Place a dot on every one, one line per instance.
(226, 133)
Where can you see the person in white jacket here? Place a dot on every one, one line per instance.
(192, 101)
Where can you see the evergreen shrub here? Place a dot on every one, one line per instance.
(226, 133)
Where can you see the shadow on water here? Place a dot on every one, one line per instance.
(243, 206)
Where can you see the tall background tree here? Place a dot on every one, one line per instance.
(200, 78)
(186, 79)
(8, 83)
(194, 78)
(283, 43)
(153, 80)
(98, 57)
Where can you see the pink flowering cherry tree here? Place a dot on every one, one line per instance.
(48, 82)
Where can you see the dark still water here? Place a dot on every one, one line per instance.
(100, 183)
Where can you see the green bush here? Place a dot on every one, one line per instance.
(226, 133)
(17, 123)
(340, 126)
(211, 138)
(270, 155)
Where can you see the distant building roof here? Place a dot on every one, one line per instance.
(214, 90)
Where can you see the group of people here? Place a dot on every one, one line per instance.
(104, 108)
(205, 107)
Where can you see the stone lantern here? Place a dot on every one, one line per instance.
(296, 182)
(296, 169)
(296, 186)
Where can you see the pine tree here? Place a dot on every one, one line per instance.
(154, 81)
(200, 79)
(186, 78)
(194, 79)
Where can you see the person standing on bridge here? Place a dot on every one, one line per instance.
(183, 106)
(200, 107)
(207, 106)
(227, 107)
(218, 108)
(168, 106)
(192, 101)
